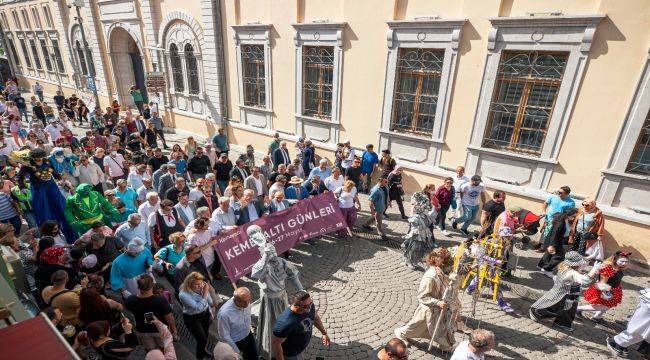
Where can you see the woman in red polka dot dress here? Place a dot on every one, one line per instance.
(607, 292)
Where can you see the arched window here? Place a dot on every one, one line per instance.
(192, 70)
(82, 58)
(177, 68)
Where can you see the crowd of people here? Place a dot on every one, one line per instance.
(103, 220)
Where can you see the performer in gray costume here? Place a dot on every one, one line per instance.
(270, 271)
(419, 241)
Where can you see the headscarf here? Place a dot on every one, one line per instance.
(397, 167)
(53, 256)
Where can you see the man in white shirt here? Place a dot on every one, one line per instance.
(147, 187)
(280, 182)
(470, 194)
(134, 228)
(257, 182)
(197, 192)
(234, 324)
(89, 172)
(7, 145)
(185, 209)
(136, 176)
(114, 165)
(349, 151)
(54, 130)
(335, 180)
(224, 216)
(459, 180)
(150, 206)
(480, 342)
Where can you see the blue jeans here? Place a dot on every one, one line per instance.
(222, 185)
(23, 111)
(469, 213)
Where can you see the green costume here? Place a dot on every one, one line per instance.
(87, 207)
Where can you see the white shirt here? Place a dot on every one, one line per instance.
(346, 199)
(459, 182)
(462, 352)
(54, 132)
(347, 162)
(258, 186)
(145, 209)
(275, 187)
(142, 192)
(114, 164)
(471, 194)
(195, 194)
(234, 323)
(134, 180)
(201, 238)
(595, 252)
(89, 174)
(7, 146)
(332, 184)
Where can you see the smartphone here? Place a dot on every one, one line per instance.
(148, 317)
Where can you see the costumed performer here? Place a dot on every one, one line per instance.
(47, 201)
(638, 328)
(607, 292)
(419, 241)
(87, 207)
(431, 305)
(271, 272)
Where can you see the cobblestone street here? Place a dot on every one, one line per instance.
(363, 290)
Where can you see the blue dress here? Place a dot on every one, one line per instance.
(47, 201)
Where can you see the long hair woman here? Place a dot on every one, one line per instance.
(196, 301)
(95, 307)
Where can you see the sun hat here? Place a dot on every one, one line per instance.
(89, 261)
(295, 180)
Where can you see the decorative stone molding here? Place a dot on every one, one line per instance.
(213, 62)
(184, 17)
(619, 188)
(570, 34)
(324, 132)
(439, 34)
(255, 34)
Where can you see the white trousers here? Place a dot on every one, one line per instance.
(638, 328)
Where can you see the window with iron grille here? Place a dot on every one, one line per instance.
(37, 59)
(23, 46)
(57, 56)
(253, 75)
(524, 95)
(640, 161)
(12, 50)
(46, 55)
(318, 73)
(177, 68)
(416, 90)
(192, 70)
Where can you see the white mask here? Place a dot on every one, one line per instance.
(622, 262)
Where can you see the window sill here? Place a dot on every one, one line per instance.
(626, 175)
(257, 109)
(513, 155)
(315, 119)
(413, 137)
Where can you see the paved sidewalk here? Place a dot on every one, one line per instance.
(363, 290)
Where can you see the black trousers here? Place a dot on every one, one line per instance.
(161, 134)
(99, 188)
(198, 326)
(562, 316)
(248, 347)
(216, 266)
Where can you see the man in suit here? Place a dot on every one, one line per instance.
(186, 210)
(208, 200)
(239, 170)
(167, 180)
(281, 156)
(278, 203)
(257, 182)
(296, 191)
(248, 208)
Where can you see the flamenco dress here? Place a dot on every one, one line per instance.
(47, 201)
(615, 296)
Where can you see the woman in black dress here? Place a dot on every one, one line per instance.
(395, 190)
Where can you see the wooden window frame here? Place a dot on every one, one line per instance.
(258, 97)
(322, 68)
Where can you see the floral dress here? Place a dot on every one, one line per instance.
(609, 298)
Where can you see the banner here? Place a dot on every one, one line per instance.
(285, 229)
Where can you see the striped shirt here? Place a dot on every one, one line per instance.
(7, 210)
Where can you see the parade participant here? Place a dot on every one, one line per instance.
(348, 202)
(234, 324)
(470, 194)
(480, 342)
(378, 201)
(164, 222)
(395, 190)
(369, 161)
(607, 292)
(335, 180)
(419, 241)
(561, 302)
(220, 142)
(589, 220)
(47, 200)
(64, 164)
(554, 205)
(89, 172)
(550, 260)
(293, 330)
(87, 207)
(459, 179)
(395, 349)
(151, 205)
(638, 327)
(281, 155)
(431, 306)
(127, 268)
(297, 191)
(445, 195)
(271, 273)
(557, 231)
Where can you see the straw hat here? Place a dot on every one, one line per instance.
(295, 180)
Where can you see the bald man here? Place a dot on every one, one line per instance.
(234, 324)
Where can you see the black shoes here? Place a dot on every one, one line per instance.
(616, 348)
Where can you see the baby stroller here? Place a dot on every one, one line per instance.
(529, 225)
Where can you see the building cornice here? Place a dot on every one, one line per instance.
(426, 23)
(320, 26)
(547, 21)
(252, 27)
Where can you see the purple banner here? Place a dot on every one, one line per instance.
(306, 219)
